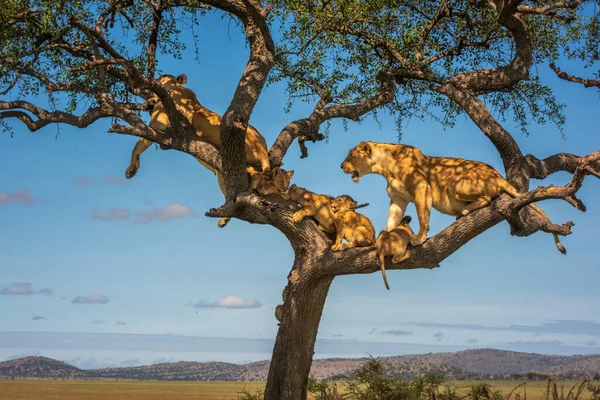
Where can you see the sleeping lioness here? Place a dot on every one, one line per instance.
(205, 122)
(452, 186)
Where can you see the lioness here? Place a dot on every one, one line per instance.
(394, 243)
(205, 122)
(207, 125)
(452, 186)
(350, 225)
(313, 205)
(276, 181)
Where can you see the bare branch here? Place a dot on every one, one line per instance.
(547, 10)
(456, 50)
(309, 127)
(442, 12)
(14, 109)
(376, 42)
(540, 169)
(585, 82)
(153, 37)
(587, 165)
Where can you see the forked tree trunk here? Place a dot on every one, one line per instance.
(295, 343)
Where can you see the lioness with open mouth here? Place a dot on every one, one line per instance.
(452, 186)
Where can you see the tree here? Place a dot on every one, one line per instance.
(414, 58)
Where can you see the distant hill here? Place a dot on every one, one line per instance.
(468, 364)
(39, 367)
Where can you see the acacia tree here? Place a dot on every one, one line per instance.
(351, 58)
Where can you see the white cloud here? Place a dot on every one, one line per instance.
(20, 196)
(18, 288)
(92, 298)
(173, 210)
(229, 302)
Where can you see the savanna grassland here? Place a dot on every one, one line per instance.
(155, 390)
(121, 390)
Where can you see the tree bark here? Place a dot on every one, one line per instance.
(294, 347)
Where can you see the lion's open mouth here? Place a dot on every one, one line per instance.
(355, 176)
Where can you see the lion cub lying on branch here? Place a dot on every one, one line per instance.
(394, 243)
(452, 186)
(350, 225)
(313, 205)
(276, 181)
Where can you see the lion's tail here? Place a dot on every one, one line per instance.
(506, 187)
(382, 235)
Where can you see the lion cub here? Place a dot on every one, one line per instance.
(313, 205)
(394, 243)
(275, 181)
(350, 225)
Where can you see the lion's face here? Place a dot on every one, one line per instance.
(358, 161)
(343, 203)
(282, 178)
(169, 81)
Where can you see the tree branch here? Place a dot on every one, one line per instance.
(547, 10)
(442, 12)
(540, 169)
(504, 77)
(509, 150)
(585, 82)
(587, 165)
(235, 119)
(14, 109)
(157, 12)
(309, 126)
(439, 247)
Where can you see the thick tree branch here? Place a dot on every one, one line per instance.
(157, 14)
(309, 127)
(585, 82)
(442, 245)
(548, 9)
(587, 165)
(509, 150)
(235, 119)
(305, 237)
(540, 169)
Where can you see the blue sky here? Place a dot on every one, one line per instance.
(98, 270)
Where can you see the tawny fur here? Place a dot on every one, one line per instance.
(452, 186)
(276, 181)
(350, 225)
(394, 243)
(313, 205)
(207, 125)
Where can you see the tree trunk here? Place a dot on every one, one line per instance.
(295, 343)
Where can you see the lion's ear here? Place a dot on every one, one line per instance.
(290, 173)
(364, 149)
(182, 79)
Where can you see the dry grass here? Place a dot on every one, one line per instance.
(122, 390)
(154, 390)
